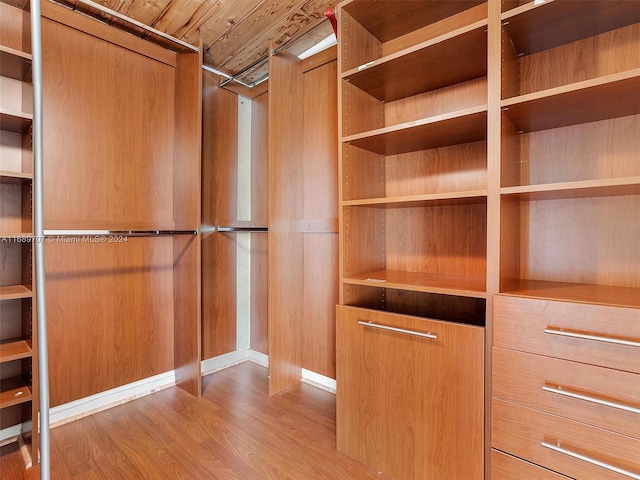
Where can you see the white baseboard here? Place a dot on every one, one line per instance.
(110, 398)
(320, 381)
(10, 434)
(215, 364)
(259, 358)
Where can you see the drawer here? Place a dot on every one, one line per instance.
(595, 395)
(407, 405)
(506, 467)
(565, 446)
(595, 334)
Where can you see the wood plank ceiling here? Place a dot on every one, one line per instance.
(234, 33)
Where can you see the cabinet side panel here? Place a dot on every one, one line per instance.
(219, 193)
(320, 200)
(110, 314)
(110, 138)
(286, 245)
(186, 214)
(259, 214)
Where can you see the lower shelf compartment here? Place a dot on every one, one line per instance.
(14, 391)
(15, 350)
(452, 308)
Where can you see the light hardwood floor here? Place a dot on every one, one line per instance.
(235, 431)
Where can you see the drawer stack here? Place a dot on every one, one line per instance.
(566, 390)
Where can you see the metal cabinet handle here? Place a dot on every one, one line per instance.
(588, 398)
(398, 330)
(559, 449)
(587, 336)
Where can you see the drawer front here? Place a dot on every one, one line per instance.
(506, 467)
(571, 448)
(407, 405)
(595, 395)
(595, 334)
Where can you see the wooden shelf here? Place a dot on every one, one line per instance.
(535, 27)
(14, 63)
(573, 292)
(15, 350)
(588, 101)
(391, 19)
(474, 287)
(15, 121)
(21, 4)
(454, 128)
(12, 292)
(446, 60)
(16, 178)
(579, 189)
(14, 391)
(425, 200)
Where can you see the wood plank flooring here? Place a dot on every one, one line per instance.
(234, 432)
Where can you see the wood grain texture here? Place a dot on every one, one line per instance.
(425, 423)
(187, 215)
(320, 203)
(507, 467)
(453, 58)
(520, 377)
(520, 324)
(110, 314)
(520, 431)
(219, 192)
(234, 432)
(259, 213)
(99, 29)
(13, 33)
(555, 248)
(114, 172)
(286, 247)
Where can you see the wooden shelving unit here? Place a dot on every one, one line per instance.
(413, 214)
(18, 381)
(570, 256)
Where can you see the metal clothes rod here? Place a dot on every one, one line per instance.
(38, 226)
(222, 74)
(138, 24)
(242, 229)
(233, 77)
(115, 233)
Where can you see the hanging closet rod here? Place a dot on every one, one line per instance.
(117, 233)
(234, 77)
(242, 229)
(136, 23)
(274, 52)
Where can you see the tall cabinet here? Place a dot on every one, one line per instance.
(566, 355)
(413, 241)
(18, 397)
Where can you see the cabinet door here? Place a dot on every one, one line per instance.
(410, 406)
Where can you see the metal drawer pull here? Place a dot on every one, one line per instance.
(559, 449)
(597, 338)
(398, 330)
(587, 398)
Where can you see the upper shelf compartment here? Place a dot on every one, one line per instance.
(372, 30)
(14, 63)
(454, 57)
(539, 26)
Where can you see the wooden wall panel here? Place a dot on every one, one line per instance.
(219, 191)
(320, 203)
(259, 215)
(110, 314)
(286, 248)
(108, 136)
(186, 211)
